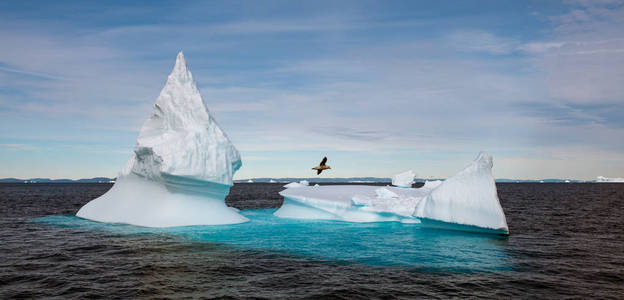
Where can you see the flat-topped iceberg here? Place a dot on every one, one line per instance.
(297, 184)
(467, 201)
(352, 203)
(181, 169)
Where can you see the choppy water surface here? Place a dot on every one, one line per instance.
(567, 241)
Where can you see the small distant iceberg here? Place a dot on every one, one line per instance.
(467, 201)
(250, 181)
(606, 179)
(297, 184)
(432, 184)
(181, 169)
(405, 179)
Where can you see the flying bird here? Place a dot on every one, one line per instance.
(322, 166)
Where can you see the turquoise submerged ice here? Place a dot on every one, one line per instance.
(380, 244)
(467, 201)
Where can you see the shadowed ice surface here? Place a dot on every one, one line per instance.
(382, 244)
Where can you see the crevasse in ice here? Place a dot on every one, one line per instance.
(181, 169)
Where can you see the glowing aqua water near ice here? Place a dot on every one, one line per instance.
(379, 244)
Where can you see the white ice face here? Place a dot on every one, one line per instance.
(467, 198)
(353, 203)
(432, 184)
(297, 184)
(181, 137)
(404, 179)
(182, 166)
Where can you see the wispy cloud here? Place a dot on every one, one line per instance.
(482, 41)
(396, 80)
(19, 147)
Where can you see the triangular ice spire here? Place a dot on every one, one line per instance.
(181, 169)
(182, 136)
(180, 72)
(467, 198)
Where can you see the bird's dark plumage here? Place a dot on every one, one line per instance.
(322, 166)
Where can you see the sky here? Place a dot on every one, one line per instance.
(378, 87)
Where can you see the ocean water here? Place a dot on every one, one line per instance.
(567, 241)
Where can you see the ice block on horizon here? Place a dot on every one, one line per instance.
(181, 169)
(610, 180)
(405, 179)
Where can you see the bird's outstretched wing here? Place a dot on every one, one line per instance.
(323, 161)
(318, 172)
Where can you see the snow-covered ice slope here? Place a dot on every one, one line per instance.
(181, 169)
(353, 203)
(466, 200)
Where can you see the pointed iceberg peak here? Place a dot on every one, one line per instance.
(484, 160)
(180, 64)
(181, 138)
(181, 169)
(180, 72)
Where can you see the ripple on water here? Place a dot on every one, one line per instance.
(567, 241)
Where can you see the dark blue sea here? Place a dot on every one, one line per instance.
(567, 241)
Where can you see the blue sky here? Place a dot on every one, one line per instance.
(377, 86)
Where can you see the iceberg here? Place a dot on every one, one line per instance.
(606, 179)
(432, 184)
(181, 169)
(405, 179)
(297, 184)
(467, 201)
